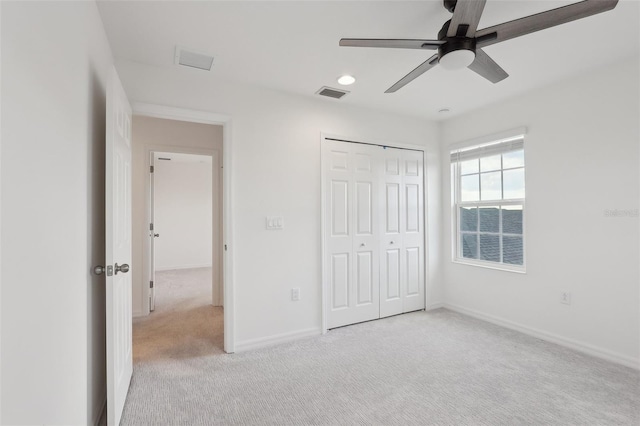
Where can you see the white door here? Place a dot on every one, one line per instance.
(152, 237)
(118, 248)
(374, 255)
(413, 254)
(391, 236)
(402, 236)
(351, 245)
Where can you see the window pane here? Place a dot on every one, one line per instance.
(512, 252)
(468, 219)
(513, 183)
(489, 219)
(512, 220)
(488, 164)
(468, 167)
(491, 185)
(513, 159)
(469, 188)
(490, 247)
(469, 243)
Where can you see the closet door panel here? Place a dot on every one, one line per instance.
(413, 255)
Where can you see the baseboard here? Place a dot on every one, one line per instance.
(137, 314)
(171, 268)
(276, 339)
(586, 348)
(432, 306)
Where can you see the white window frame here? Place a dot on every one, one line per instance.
(457, 204)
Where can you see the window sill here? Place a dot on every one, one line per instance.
(490, 265)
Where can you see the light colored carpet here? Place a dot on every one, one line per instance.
(427, 368)
(184, 323)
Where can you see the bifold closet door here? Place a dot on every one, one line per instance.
(351, 232)
(402, 234)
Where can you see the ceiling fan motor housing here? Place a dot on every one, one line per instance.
(454, 43)
(450, 5)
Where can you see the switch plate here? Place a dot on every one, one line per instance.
(565, 298)
(274, 223)
(295, 294)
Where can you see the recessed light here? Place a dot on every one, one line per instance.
(444, 110)
(346, 80)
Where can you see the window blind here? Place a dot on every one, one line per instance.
(486, 150)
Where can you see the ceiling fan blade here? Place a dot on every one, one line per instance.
(541, 21)
(421, 69)
(466, 17)
(487, 68)
(391, 43)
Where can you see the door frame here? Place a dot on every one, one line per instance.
(203, 117)
(368, 141)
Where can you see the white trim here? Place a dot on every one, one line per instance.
(586, 348)
(496, 137)
(276, 339)
(206, 117)
(174, 268)
(324, 280)
(181, 114)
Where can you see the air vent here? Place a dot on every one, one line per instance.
(331, 92)
(192, 59)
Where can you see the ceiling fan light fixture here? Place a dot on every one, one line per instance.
(346, 80)
(457, 59)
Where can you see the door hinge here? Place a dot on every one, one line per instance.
(150, 284)
(151, 169)
(225, 247)
(151, 227)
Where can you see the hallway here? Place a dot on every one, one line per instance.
(184, 324)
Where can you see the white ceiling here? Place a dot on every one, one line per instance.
(292, 46)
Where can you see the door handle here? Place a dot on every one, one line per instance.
(156, 235)
(99, 270)
(124, 268)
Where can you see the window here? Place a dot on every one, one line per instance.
(489, 198)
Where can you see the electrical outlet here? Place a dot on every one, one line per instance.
(295, 294)
(565, 298)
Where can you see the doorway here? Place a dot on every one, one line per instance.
(178, 232)
(181, 228)
(186, 318)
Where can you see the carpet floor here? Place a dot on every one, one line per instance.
(422, 368)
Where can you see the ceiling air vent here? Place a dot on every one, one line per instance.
(331, 92)
(192, 59)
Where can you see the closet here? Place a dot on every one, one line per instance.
(373, 231)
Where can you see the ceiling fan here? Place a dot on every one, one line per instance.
(460, 44)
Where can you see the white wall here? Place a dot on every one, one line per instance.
(581, 160)
(161, 135)
(276, 171)
(55, 59)
(183, 213)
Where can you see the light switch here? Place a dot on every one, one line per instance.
(275, 223)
